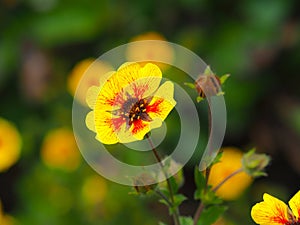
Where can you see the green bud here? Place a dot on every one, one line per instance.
(254, 163)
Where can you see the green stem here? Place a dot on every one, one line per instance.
(201, 205)
(176, 213)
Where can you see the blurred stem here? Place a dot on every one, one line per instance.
(176, 213)
(201, 205)
(207, 171)
(227, 178)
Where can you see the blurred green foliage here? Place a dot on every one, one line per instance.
(256, 41)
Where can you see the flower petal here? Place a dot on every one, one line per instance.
(140, 82)
(104, 128)
(294, 203)
(90, 121)
(92, 95)
(271, 211)
(162, 102)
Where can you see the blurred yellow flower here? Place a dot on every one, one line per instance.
(273, 211)
(6, 219)
(94, 190)
(155, 52)
(230, 162)
(129, 104)
(59, 150)
(10, 144)
(92, 70)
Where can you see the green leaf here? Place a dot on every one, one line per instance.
(218, 158)
(190, 85)
(161, 223)
(224, 78)
(163, 201)
(174, 185)
(186, 220)
(198, 194)
(178, 199)
(200, 180)
(199, 99)
(208, 71)
(211, 214)
(210, 197)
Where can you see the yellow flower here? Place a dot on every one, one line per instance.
(10, 144)
(92, 70)
(59, 150)
(129, 104)
(155, 52)
(94, 190)
(273, 211)
(230, 162)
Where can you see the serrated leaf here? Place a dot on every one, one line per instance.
(186, 220)
(178, 199)
(200, 179)
(190, 85)
(224, 78)
(211, 214)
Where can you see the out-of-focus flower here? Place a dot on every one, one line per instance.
(230, 162)
(6, 219)
(36, 71)
(273, 211)
(10, 144)
(129, 104)
(94, 190)
(155, 50)
(254, 164)
(223, 221)
(59, 150)
(89, 72)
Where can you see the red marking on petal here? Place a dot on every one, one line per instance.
(138, 125)
(118, 122)
(154, 107)
(140, 90)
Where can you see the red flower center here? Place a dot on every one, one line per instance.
(138, 111)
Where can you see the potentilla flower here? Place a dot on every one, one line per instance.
(129, 104)
(10, 144)
(273, 211)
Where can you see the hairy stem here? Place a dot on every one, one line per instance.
(176, 213)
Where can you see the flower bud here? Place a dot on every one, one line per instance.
(254, 163)
(208, 84)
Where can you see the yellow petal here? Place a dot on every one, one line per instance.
(140, 82)
(162, 102)
(295, 204)
(104, 128)
(90, 121)
(92, 95)
(271, 211)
